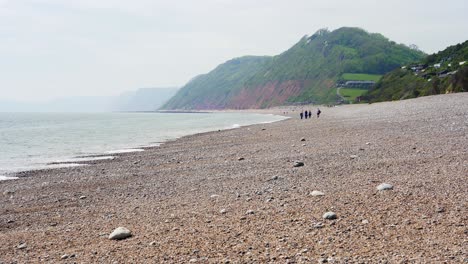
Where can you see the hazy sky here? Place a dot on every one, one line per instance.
(57, 48)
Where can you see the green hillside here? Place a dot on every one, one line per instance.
(440, 73)
(307, 72)
(212, 90)
(361, 77)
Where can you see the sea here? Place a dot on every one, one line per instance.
(31, 141)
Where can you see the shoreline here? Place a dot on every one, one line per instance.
(235, 195)
(115, 155)
(81, 160)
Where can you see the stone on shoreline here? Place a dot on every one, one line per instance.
(223, 211)
(8, 192)
(22, 246)
(329, 215)
(317, 193)
(318, 225)
(384, 187)
(353, 156)
(298, 164)
(303, 139)
(120, 233)
(250, 212)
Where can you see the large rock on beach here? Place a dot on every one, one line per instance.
(385, 187)
(298, 164)
(329, 215)
(317, 193)
(120, 233)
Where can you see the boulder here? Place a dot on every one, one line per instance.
(298, 164)
(120, 233)
(317, 193)
(329, 215)
(385, 187)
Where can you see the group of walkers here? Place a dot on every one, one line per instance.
(308, 114)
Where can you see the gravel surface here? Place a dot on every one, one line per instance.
(235, 195)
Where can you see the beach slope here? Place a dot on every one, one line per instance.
(236, 195)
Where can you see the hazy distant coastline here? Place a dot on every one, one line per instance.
(141, 100)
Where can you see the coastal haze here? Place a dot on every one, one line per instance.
(104, 48)
(145, 99)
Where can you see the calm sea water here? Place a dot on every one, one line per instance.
(33, 140)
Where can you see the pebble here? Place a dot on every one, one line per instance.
(329, 215)
(223, 211)
(8, 192)
(303, 139)
(353, 156)
(250, 212)
(365, 221)
(193, 260)
(298, 164)
(274, 178)
(318, 225)
(82, 197)
(214, 196)
(384, 187)
(153, 243)
(120, 233)
(22, 246)
(240, 158)
(65, 256)
(317, 193)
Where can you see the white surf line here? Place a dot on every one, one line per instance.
(6, 178)
(83, 159)
(124, 151)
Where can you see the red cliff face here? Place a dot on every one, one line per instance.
(270, 94)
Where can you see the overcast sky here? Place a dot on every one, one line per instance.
(57, 48)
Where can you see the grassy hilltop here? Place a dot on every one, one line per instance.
(307, 72)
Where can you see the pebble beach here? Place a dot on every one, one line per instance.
(370, 183)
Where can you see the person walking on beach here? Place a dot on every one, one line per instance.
(310, 114)
(318, 112)
(306, 114)
(301, 114)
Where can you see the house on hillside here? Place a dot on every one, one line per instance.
(417, 68)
